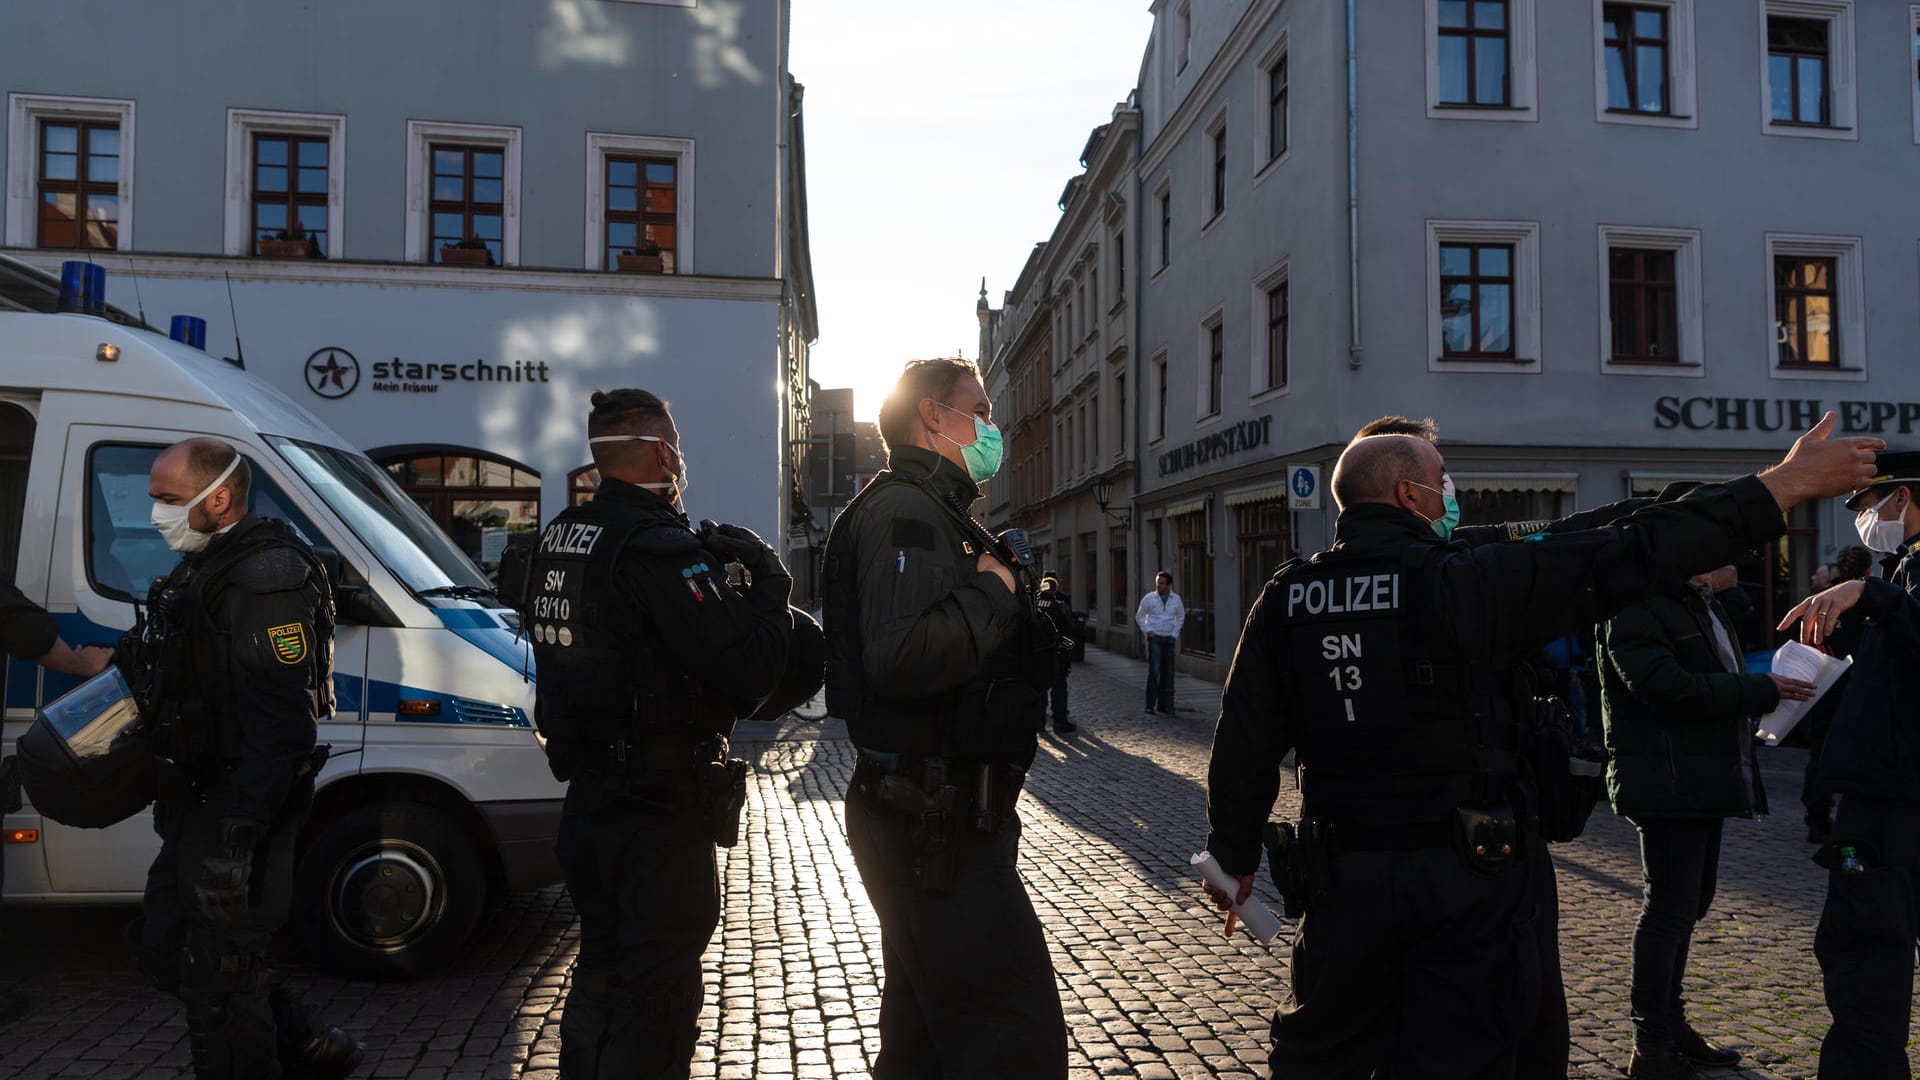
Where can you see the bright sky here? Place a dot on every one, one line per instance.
(939, 137)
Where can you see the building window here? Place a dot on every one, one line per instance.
(1819, 313)
(640, 209)
(1217, 143)
(1166, 225)
(1803, 310)
(1090, 566)
(1473, 52)
(290, 185)
(1215, 333)
(285, 169)
(1652, 315)
(1093, 426)
(1195, 581)
(1277, 336)
(1117, 592)
(1277, 108)
(1093, 288)
(483, 503)
(1160, 397)
(1120, 411)
(1476, 300)
(463, 181)
(581, 484)
(69, 172)
(1797, 71)
(1484, 295)
(79, 185)
(1120, 266)
(1644, 305)
(1807, 85)
(1636, 51)
(469, 199)
(1185, 30)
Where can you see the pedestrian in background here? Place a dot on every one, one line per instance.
(1678, 708)
(1057, 607)
(27, 632)
(940, 661)
(647, 656)
(1160, 616)
(1871, 762)
(1411, 863)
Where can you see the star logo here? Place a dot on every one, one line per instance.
(332, 373)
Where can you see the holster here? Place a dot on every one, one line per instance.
(1489, 838)
(722, 786)
(929, 810)
(1300, 862)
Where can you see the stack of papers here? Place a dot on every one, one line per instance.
(1796, 661)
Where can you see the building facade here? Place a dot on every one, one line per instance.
(1024, 347)
(443, 254)
(1605, 245)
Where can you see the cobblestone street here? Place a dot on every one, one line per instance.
(1111, 816)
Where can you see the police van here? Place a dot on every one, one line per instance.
(437, 796)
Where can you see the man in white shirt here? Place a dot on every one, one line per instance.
(1160, 616)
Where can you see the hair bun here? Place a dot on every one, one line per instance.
(598, 399)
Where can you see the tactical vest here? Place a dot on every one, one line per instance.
(197, 719)
(1394, 724)
(993, 717)
(602, 679)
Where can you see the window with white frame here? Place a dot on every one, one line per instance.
(463, 191)
(1213, 364)
(639, 203)
(1481, 60)
(1652, 318)
(1216, 169)
(1163, 196)
(69, 172)
(1644, 69)
(1274, 137)
(1483, 295)
(1807, 69)
(1273, 341)
(285, 183)
(1159, 396)
(1818, 307)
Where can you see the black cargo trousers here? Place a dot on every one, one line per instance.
(239, 1024)
(969, 991)
(1866, 938)
(639, 867)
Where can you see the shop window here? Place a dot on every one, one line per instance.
(1194, 581)
(483, 503)
(1486, 506)
(1261, 529)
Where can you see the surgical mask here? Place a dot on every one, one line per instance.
(982, 455)
(1450, 517)
(172, 520)
(1882, 536)
(676, 489)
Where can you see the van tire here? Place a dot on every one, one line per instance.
(389, 891)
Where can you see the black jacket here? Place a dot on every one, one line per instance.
(26, 630)
(1499, 602)
(1873, 748)
(1678, 724)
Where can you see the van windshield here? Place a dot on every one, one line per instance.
(401, 534)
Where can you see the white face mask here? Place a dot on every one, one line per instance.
(172, 520)
(1882, 536)
(675, 490)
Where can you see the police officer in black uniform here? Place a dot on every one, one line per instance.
(1386, 662)
(234, 669)
(939, 660)
(27, 632)
(646, 658)
(1871, 762)
(1057, 608)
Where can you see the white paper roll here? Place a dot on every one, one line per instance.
(1264, 925)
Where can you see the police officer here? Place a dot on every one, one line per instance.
(1385, 664)
(1057, 608)
(234, 669)
(646, 658)
(27, 632)
(1871, 761)
(939, 660)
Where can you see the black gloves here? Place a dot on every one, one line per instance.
(221, 892)
(771, 581)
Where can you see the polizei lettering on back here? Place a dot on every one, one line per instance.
(570, 538)
(1336, 596)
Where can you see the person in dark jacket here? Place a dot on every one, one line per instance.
(1385, 663)
(1057, 606)
(939, 659)
(1871, 761)
(27, 632)
(1853, 563)
(1678, 708)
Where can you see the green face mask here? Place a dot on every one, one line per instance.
(982, 455)
(1443, 525)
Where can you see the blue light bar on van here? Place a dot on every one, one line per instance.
(83, 287)
(189, 330)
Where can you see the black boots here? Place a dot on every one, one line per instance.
(1701, 1052)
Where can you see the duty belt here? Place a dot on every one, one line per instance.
(1416, 836)
(931, 773)
(637, 757)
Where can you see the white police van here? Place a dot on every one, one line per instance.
(437, 796)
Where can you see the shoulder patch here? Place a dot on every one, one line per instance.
(289, 642)
(911, 532)
(1520, 530)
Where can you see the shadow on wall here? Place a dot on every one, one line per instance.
(596, 348)
(590, 32)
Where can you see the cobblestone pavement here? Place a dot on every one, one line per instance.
(1112, 814)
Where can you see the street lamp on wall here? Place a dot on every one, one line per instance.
(1102, 491)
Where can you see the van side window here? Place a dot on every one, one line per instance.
(124, 550)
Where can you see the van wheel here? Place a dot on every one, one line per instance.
(389, 891)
